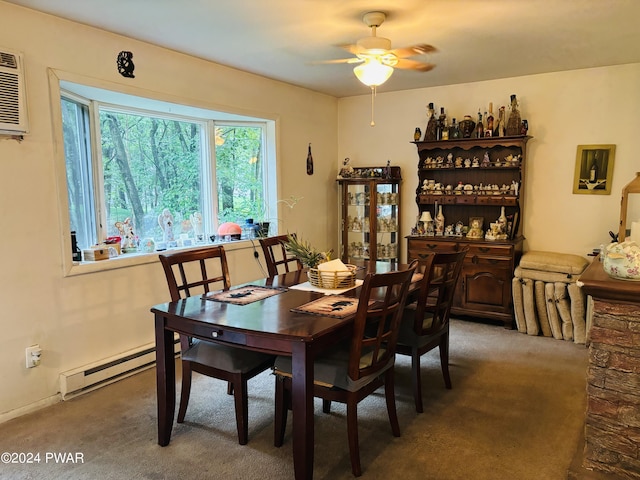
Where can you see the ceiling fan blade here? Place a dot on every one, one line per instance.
(351, 48)
(338, 60)
(420, 49)
(413, 65)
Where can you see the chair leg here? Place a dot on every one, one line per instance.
(242, 410)
(326, 406)
(444, 359)
(281, 410)
(186, 390)
(229, 388)
(390, 396)
(352, 433)
(417, 381)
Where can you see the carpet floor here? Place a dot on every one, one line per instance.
(516, 412)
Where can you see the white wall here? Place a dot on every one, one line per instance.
(81, 319)
(564, 110)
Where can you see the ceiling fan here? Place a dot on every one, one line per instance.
(375, 57)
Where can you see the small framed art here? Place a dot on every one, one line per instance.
(594, 169)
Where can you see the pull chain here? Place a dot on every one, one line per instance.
(373, 94)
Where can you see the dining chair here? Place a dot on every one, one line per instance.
(276, 256)
(425, 323)
(195, 272)
(354, 368)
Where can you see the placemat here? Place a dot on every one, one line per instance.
(243, 295)
(337, 306)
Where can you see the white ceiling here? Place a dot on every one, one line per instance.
(476, 39)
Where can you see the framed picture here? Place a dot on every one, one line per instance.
(594, 169)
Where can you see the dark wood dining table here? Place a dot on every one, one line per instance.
(266, 325)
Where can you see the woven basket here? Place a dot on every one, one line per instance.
(333, 280)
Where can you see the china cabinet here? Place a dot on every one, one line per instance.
(478, 185)
(370, 215)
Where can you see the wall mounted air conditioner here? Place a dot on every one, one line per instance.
(13, 102)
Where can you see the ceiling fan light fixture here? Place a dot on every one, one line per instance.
(373, 72)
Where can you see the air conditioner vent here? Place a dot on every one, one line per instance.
(13, 103)
(8, 60)
(9, 99)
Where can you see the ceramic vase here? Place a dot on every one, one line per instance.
(439, 222)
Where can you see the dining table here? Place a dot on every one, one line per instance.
(268, 325)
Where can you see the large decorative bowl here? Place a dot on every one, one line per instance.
(622, 260)
(333, 280)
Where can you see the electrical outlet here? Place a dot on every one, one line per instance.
(33, 354)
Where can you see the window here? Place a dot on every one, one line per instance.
(125, 164)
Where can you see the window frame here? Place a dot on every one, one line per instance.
(58, 85)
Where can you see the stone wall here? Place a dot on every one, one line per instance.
(612, 430)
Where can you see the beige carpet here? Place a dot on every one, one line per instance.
(515, 413)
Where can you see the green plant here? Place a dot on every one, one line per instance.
(303, 251)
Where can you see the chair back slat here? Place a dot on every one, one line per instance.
(377, 321)
(200, 271)
(437, 291)
(277, 258)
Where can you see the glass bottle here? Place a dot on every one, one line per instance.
(440, 124)
(454, 131)
(593, 171)
(76, 253)
(514, 124)
(488, 130)
(479, 127)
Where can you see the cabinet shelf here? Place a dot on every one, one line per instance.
(470, 143)
(370, 223)
(484, 289)
(464, 200)
(464, 169)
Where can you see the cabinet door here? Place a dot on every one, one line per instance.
(358, 200)
(485, 288)
(387, 221)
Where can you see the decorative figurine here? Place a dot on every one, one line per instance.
(347, 170)
(475, 228)
(450, 160)
(196, 223)
(128, 237)
(430, 131)
(486, 162)
(165, 220)
(417, 134)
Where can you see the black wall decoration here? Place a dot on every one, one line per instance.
(309, 162)
(125, 64)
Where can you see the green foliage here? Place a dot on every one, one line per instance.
(152, 163)
(307, 254)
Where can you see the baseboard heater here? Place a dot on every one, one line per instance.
(90, 377)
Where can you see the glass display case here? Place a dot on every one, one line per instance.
(370, 215)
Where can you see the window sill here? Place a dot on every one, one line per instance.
(134, 259)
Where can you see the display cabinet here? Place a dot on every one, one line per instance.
(474, 182)
(370, 214)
